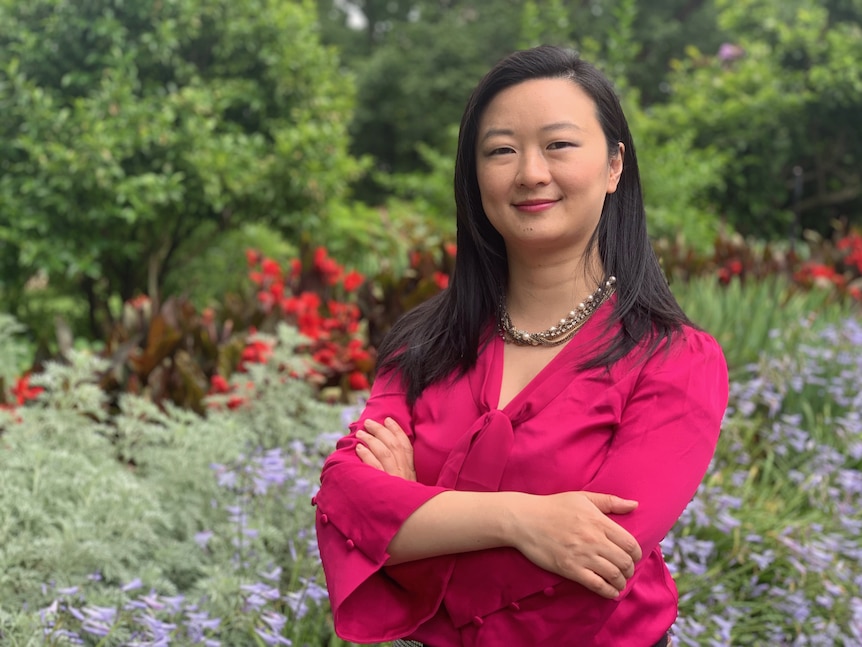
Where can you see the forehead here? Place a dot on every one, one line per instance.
(540, 101)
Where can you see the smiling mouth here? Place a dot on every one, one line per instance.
(534, 205)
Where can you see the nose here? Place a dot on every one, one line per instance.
(533, 169)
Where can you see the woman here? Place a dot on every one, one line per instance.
(511, 488)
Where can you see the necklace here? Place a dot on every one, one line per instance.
(563, 331)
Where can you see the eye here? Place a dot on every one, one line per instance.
(500, 150)
(559, 145)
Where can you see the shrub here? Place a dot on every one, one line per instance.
(123, 527)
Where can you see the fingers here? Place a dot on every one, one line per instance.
(602, 566)
(620, 537)
(610, 504)
(386, 447)
(605, 580)
(368, 457)
(618, 565)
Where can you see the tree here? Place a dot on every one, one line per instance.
(417, 60)
(128, 129)
(783, 98)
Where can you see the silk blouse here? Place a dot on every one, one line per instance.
(645, 430)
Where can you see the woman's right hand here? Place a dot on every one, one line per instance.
(570, 534)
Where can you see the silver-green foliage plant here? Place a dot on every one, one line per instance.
(121, 523)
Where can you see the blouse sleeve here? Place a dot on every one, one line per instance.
(359, 511)
(667, 435)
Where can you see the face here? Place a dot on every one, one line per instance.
(543, 166)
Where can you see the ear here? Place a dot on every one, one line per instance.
(616, 168)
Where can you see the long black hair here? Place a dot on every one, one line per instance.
(446, 333)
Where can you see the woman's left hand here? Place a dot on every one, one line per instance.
(387, 448)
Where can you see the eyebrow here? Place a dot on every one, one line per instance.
(559, 125)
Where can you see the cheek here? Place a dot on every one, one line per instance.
(491, 188)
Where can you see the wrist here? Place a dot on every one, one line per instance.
(509, 518)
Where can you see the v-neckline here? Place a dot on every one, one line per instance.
(493, 382)
(531, 384)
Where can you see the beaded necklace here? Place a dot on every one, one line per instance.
(563, 331)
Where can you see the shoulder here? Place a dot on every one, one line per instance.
(687, 354)
(693, 343)
(690, 361)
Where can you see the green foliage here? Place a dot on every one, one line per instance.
(215, 264)
(426, 194)
(677, 182)
(147, 124)
(769, 305)
(782, 95)
(414, 84)
(413, 55)
(14, 352)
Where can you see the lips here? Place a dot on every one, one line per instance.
(533, 206)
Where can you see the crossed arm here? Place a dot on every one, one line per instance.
(568, 534)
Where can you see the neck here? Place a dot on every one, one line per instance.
(542, 290)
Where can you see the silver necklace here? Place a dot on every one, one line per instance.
(563, 331)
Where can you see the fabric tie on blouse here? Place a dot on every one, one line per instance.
(476, 464)
(477, 461)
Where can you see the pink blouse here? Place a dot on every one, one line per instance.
(646, 430)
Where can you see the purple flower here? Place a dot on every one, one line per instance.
(131, 586)
(259, 594)
(274, 575)
(202, 538)
(271, 639)
(98, 620)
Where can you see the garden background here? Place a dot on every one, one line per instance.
(212, 210)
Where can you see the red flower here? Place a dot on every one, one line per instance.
(820, 275)
(139, 301)
(324, 356)
(451, 249)
(310, 300)
(23, 391)
(353, 280)
(277, 290)
(852, 244)
(319, 256)
(358, 381)
(735, 267)
(271, 269)
(295, 268)
(441, 279)
(266, 301)
(252, 257)
(356, 352)
(235, 402)
(290, 305)
(218, 384)
(328, 268)
(820, 271)
(255, 352)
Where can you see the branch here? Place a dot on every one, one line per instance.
(846, 194)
